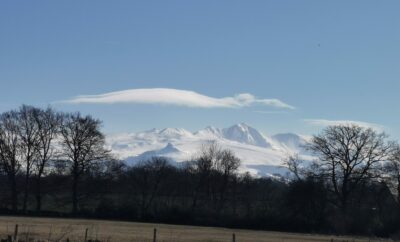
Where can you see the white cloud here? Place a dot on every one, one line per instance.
(167, 96)
(325, 122)
(274, 102)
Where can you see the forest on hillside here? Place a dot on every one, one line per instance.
(56, 164)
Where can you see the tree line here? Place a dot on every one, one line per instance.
(33, 141)
(56, 164)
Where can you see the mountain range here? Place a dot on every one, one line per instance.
(260, 154)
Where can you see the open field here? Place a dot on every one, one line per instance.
(50, 229)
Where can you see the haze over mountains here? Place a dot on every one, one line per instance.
(260, 154)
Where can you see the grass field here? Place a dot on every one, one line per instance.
(49, 229)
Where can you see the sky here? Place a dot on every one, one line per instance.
(279, 66)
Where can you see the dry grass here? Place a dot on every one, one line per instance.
(49, 229)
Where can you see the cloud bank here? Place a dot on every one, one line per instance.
(325, 122)
(168, 96)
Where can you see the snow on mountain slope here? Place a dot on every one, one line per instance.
(169, 151)
(210, 133)
(245, 134)
(291, 141)
(259, 154)
(174, 132)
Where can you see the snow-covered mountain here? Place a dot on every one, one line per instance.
(259, 153)
(245, 134)
(291, 141)
(169, 151)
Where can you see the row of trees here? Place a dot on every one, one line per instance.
(347, 157)
(57, 162)
(350, 159)
(31, 139)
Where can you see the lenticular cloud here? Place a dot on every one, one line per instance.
(186, 98)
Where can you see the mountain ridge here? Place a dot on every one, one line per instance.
(256, 150)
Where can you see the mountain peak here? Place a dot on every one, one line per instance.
(242, 124)
(174, 132)
(243, 133)
(209, 132)
(168, 149)
(239, 126)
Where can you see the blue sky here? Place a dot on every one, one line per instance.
(331, 60)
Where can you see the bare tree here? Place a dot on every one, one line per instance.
(347, 156)
(392, 168)
(10, 152)
(147, 178)
(227, 162)
(82, 145)
(214, 167)
(29, 136)
(202, 167)
(300, 168)
(295, 166)
(48, 124)
(227, 165)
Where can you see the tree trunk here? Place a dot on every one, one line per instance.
(26, 190)
(75, 194)
(344, 201)
(14, 193)
(38, 194)
(234, 197)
